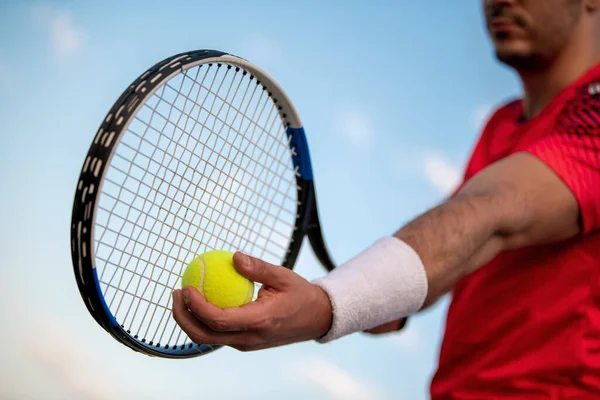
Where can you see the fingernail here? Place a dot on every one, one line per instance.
(186, 297)
(244, 260)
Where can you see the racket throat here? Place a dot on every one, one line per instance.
(312, 227)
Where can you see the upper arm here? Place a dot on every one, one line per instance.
(551, 190)
(572, 152)
(527, 201)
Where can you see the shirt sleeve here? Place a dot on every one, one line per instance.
(572, 151)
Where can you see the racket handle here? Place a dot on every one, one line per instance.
(403, 322)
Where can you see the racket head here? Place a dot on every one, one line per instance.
(108, 237)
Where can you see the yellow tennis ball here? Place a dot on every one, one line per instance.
(214, 275)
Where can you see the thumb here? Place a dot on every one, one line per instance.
(260, 271)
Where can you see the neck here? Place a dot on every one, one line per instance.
(540, 86)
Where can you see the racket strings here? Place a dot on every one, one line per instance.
(250, 121)
(121, 186)
(163, 248)
(212, 210)
(143, 229)
(153, 247)
(178, 162)
(236, 195)
(205, 164)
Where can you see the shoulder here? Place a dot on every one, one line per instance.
(508, 111)
(581, 112)
(489, 145)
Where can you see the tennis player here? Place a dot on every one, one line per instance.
(518, 244)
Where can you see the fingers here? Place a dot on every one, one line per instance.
(283, 313)
(391, 326)
(198, 332)
(263, 272)
(250, 317)
(402, 323)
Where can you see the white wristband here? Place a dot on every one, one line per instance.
(384, 283)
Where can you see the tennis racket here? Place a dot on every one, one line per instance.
(203, 151)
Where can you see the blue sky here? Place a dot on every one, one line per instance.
(392, 97)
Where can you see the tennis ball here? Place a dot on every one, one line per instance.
(214, 275)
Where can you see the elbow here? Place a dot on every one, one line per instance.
(503, 212)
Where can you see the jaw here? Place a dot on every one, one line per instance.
(519, 54)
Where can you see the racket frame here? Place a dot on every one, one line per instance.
(101, 152)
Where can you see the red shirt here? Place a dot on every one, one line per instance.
(527, 324)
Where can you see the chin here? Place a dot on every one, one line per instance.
(516, 55)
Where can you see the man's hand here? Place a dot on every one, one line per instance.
(288, 309)
(393, 326)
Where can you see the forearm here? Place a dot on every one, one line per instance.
(514, 203)
(499, 209)
(454, 239)
(397, 277)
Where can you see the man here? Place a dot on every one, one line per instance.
(518, 243)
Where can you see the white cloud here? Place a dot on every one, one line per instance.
(66, 37)
(416, 164)
(339, 384)
(481, 114)
(441, 174)
(74, 370)
(357, 128)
